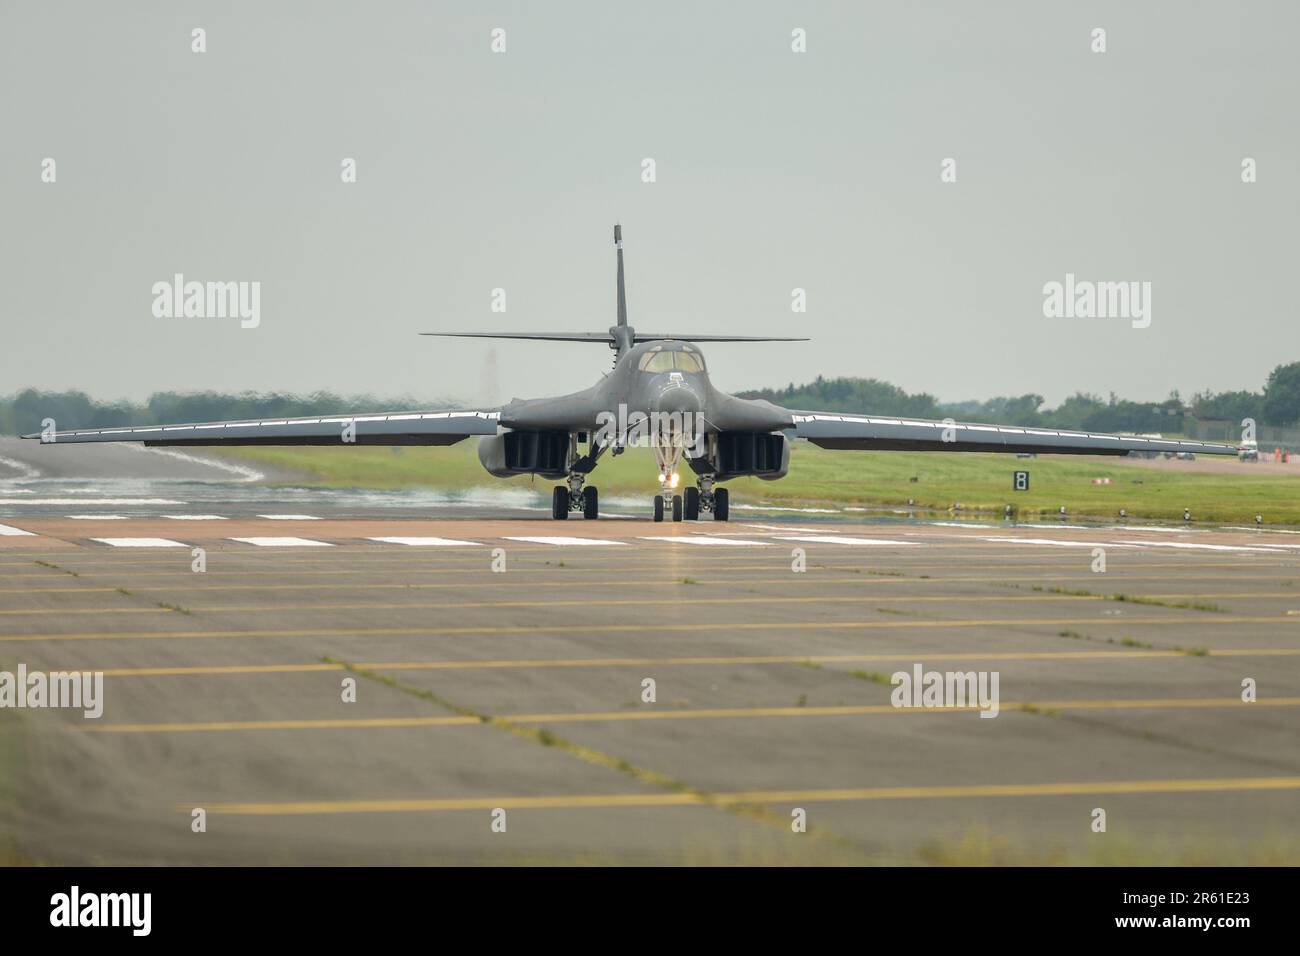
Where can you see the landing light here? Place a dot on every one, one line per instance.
(676, 479)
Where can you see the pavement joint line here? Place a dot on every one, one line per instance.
(595, 602)
(570, 628)
(754, 797)
(791, 580)
(1084, 656)
(1138, 599)
(701, 713)
(589, 755)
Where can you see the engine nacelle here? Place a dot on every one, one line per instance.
(763, 455)
(511, 453)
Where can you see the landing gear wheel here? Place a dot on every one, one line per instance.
(677, 507)
(659, 507)
(590, 503)
(691, 504)
(560, 503)
(720, 504)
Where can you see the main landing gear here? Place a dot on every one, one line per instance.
(574, 497)
(712, 499)
(688, 505)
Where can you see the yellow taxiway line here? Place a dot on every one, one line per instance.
(659, 628)
(202, 670)
(712, 713)
(753, 797)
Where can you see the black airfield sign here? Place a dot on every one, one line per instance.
(1021, 481)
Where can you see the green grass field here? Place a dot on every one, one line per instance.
(979, 482)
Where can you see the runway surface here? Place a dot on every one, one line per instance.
(502, 665)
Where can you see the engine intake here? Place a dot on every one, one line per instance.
(738, 454)
(525, 453)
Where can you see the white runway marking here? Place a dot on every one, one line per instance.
(1084, 527)
(565, 541)
(1063, 544)
(841, 539)
(791, 529)
(140, 542)
(429, 542)
(1182, 545)
(195, 517)
(290, 517)
(284, 542)
(11, 532)
(708, 539)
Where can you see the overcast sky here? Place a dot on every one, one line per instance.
(775, 170)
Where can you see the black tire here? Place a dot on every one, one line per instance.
(659, 507)
(691, 504)
(560, 503)
(590, 503)
(720, 505)
(677, 507)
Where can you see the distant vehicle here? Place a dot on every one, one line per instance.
(1249, 451)
(1186, 456)
(1147, 453)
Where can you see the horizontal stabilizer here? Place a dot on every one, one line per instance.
(608, 338)
(654, 337)
(544, 336)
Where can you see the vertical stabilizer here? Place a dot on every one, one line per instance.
(622, 289)
(622, 334)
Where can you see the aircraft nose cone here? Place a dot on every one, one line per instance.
(677, 398)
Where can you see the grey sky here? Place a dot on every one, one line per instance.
(775, 170)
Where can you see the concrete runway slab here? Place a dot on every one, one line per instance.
(522, 689)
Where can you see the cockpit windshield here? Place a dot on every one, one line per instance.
(656, 362)
(688, 362)
(663, 360)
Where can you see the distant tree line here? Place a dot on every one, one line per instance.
(23, 412)
(1277, 404)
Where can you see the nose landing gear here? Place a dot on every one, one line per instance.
(668, 446)
(668, 503)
